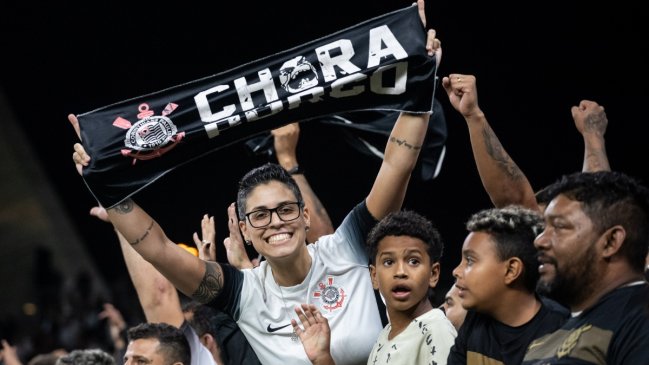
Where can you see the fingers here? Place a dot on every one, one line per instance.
(421, 7)
(433, 45)
(99, 212)
(80, 157)
(75, 124)
(309, 315)
(197, 241)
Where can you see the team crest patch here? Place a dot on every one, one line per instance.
(152, 135)
(569, 343)
(332, 296)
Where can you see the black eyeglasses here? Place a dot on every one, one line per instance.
(286, 212)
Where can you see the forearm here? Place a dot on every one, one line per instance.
(320, 222)
(158, 297)
(501, 178)
(595, 157)
(147, 238)
(401, 153)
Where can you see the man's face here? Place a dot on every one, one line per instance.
(453, 307)
(480, 276)
(567, 252)
(143, 351)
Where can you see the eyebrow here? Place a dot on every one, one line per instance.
(278, 204)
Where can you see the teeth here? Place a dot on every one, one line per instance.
(279, 237)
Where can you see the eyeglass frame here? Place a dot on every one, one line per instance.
(300, 206)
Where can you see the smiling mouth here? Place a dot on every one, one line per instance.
(278, 238)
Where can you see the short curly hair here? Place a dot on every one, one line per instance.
(513, 229)
(406, 223)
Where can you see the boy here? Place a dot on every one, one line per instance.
(405, 249)
(496, 280)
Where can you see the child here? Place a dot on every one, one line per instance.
(496, 280)
(405, 253)
(405, 249)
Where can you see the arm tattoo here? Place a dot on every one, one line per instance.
(124, 207)
(403, 142)
(146, 233)
(499, 155)
(211, 285)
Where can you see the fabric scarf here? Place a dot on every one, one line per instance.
(379, 64)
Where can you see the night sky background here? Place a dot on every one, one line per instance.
(533, 62)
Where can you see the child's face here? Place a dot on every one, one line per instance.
(403, 272)
(480, 275)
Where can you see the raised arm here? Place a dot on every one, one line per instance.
(194, 277)
(590, 120)
(502, 179)
(158, 297)
(401, 151)
(285, 141)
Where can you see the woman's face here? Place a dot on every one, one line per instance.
(279, 238)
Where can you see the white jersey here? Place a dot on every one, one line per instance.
(200, 355)
(426, 341)
(338, 283)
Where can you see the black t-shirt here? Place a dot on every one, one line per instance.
(483, 340)
(613, 331)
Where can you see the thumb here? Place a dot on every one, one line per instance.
(100, 212)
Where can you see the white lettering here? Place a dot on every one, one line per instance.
(400, 79)
(295, 100)
(381, 35)
(203, 105)
(328, 63)
(337, 86)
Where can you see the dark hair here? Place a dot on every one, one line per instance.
(513, 229)
(612, 198)
(264, 174)
(406, 223)
(173, 343)
(86, 357)
(200, 318)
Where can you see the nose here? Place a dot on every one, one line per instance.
(541, 241)
(400, 271)
(457, 271)
(273, 215)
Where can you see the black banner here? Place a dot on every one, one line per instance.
(380, 64)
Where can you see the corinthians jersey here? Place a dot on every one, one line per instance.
(338, 283)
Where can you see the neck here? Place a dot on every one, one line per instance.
(399, 320)
(291, 271)
(521, 307)
(610, 281)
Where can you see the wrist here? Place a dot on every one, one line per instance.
(295, 170)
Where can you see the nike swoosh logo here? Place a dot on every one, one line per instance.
(271, 329)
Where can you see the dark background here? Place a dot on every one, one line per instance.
(533, 62)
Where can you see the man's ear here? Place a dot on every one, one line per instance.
(613, 239)
(375, 282)
(514, 269)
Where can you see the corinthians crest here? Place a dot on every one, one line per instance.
(332, 296)
(152, 135)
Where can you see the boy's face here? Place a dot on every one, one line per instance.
(403, 272)
(480, 276)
